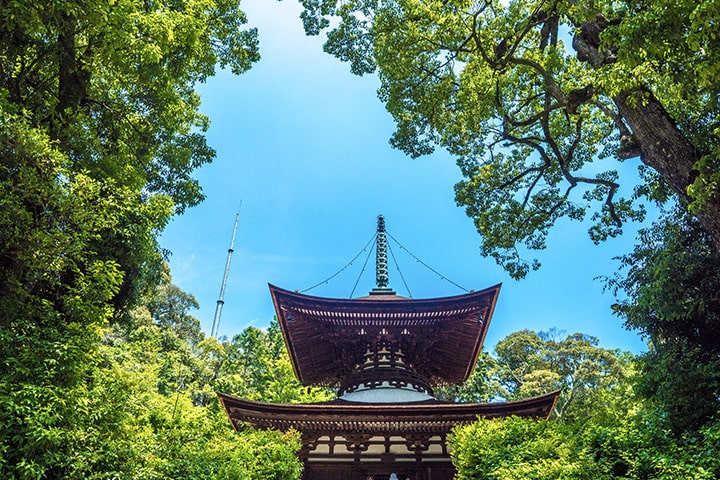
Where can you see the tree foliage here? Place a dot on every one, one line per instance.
(651, 417)
(256, 366)
(99, 136)
(540, 100)
(608, 433)
(526, 363)
(144, 407)
(111, 85)
(113, 82)
(520, 448)
(529, 363)
(671, 284)
(630, 448)
(482, 386)
(56, 291)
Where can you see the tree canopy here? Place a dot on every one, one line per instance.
(109, 88)
(113, 82)
(527, 363)
(100, 133)
(631, 448)
(606, 425)
(133, 400)
(541, 102)
(670, 288)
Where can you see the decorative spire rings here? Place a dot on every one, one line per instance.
(381, 263)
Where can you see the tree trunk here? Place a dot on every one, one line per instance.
(73, 73)
(662, 146)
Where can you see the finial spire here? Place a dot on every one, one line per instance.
(381, 260)
(381, 264)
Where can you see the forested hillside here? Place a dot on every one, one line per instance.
(618, 416)
(136, 399)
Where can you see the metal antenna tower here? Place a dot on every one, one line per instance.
(221, 302)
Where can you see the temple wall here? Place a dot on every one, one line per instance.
(386, 449)
(378, 472)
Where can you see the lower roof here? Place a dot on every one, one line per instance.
(353, 417)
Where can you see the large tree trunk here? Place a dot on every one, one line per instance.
(73, 73)
(664, 148)
(661, 144)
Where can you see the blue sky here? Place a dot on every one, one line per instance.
(303, 144)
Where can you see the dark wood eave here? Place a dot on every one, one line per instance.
(327, 418)
(444, 340)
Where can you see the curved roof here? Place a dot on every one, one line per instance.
(441, 337)
(348, 417)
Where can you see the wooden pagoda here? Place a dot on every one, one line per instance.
(384, 354)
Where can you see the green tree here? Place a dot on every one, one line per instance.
(56, 289)
(187, 361)
(99, 136)
(80, 399)
(528, 363)
(630, 447)
(539, 101)
(257, 366)
(521, 448)
(482, 385)
(170, 307)
(607, 431)
(146, 415)
(670, 285)
(112, 84)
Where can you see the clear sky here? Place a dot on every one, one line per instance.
(303, 145)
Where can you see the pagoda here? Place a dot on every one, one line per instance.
(384, 354)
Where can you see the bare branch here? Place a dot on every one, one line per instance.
(549, 81)
(476, 38)
(531, 187)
